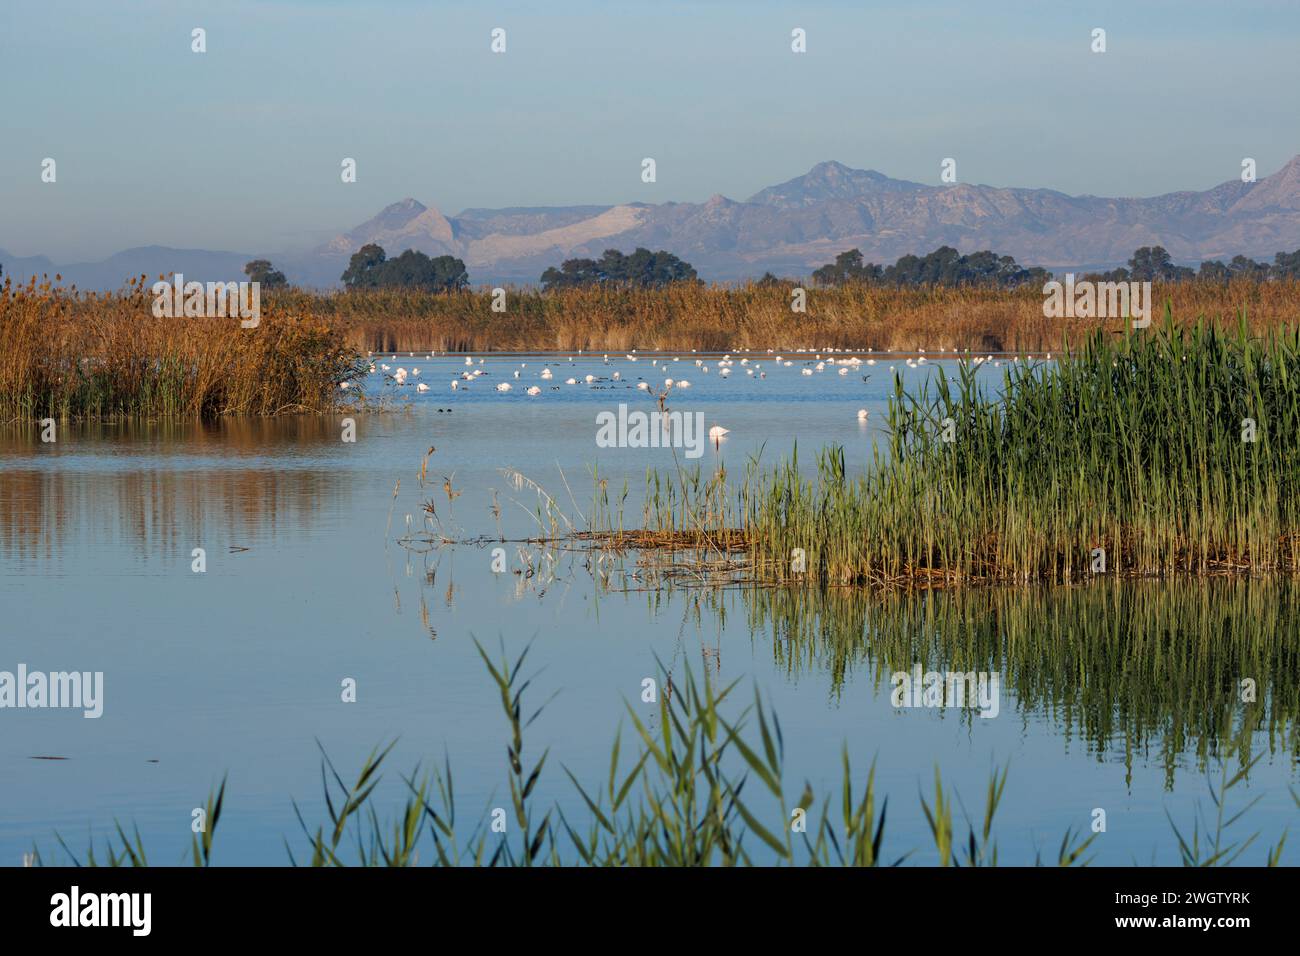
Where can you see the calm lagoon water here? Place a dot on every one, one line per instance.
(1112, 696)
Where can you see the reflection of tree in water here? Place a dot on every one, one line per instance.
(1135, 668)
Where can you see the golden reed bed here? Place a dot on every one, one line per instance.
(108, 357)
(715, 318)
(73, 354)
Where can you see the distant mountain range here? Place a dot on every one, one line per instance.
(788, 229)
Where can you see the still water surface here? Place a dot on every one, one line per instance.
(1112, 696)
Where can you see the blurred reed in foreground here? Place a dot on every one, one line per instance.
(706, 787)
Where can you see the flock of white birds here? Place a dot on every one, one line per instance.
(812, 362)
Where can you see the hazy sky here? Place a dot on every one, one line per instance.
(240, 148)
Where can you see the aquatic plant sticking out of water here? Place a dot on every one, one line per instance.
(705, 787)
(1153, 454)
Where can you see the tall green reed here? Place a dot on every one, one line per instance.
(1151, 454)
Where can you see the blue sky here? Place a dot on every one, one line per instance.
(239, 148)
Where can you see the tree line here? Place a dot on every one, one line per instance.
(643, 269)
(944, 266)
(370, 268)
(1153, 264)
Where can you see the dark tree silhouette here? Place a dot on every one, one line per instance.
(261, 272)
(370, 268)
(642, 268)
(945, 266)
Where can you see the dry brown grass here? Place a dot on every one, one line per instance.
(715, 318)
(103, 356)
(89, 356)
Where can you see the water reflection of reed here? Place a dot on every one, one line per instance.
(47, 513)
(1131, 668)
(132, 437)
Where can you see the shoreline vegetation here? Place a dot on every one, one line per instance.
(705, 787)
(1162, 453)
(102, 357)
(755, 317)
(1144, 456)
(90, 356)
(1135, 453)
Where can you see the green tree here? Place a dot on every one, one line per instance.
(363, 268)
(847, 267)
(1246, 268)
(944, 266)
(1152, 264)
(261, 272)
(642, 268)
(1286, 265)
(370, 268)
(415, 270)
(1212, 270)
